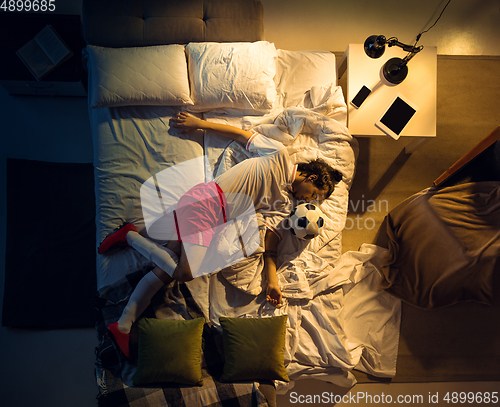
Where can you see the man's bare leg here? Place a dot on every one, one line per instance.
(175, 246)
(161, 256)
(190, 262)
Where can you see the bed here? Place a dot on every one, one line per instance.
(444, 241)
(149, 60)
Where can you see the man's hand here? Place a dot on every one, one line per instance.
(185, 122)
(274, 295)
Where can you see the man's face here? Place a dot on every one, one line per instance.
(307, 192)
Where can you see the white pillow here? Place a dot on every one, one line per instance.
(299, 71)
(138, 76)
(232, 75)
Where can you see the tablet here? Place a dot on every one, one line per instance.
(396, 117)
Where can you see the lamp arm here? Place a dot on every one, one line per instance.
(391, 42)
(412, 53)
(412, 50)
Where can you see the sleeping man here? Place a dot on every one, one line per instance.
(268, 182)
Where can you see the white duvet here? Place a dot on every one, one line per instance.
(338, 320)
(326, 294)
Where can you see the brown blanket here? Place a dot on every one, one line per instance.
(444, 245)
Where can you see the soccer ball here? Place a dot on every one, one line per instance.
(306, 221)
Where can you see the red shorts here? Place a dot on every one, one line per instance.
(200, 211)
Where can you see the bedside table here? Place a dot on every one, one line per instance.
(419, 88)
(16, 29)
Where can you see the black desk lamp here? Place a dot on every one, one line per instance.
(395, 69)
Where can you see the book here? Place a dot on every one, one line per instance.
(44, 53)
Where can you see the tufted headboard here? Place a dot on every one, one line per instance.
(134, 23)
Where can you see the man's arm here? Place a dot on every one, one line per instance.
(186, 122)
(273, 291)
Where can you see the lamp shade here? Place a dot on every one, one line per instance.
(375, 46)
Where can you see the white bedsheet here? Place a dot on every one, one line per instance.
(130, 145)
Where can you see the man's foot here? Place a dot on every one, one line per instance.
(121, 339)
(116, 239)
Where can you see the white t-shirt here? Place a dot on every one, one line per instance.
(263, 181)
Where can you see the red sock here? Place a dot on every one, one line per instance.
(116, 239)
(121, 339)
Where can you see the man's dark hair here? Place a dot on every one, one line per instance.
(327, 177)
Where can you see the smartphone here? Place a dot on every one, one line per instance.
(360, 97)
